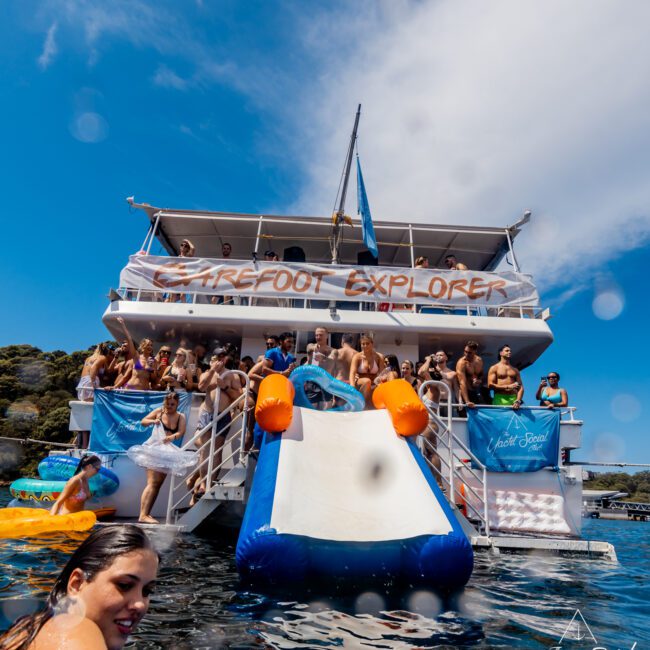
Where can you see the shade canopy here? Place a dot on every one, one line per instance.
(399, 243)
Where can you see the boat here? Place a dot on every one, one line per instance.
(363, 294)
(326, 275)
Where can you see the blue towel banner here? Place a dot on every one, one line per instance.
(505, 440)
(117, 414)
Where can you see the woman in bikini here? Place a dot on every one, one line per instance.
(177, 376)
(142, 369)
(173, 423)
(549, 392)
(365, 367)
(76, 491)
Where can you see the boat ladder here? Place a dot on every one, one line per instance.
(447, 455)
(235, 468)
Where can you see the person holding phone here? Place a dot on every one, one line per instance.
(549, 392)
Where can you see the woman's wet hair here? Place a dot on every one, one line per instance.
(104, 348)
(369, 336)
(557, 374)
(88, 459)
(94, 555)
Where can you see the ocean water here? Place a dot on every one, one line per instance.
(511, 601)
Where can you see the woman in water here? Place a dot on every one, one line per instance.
(365, 367)
(142, 369)
(76, 491)
(549, 392)
(98, 599)
(176, 375)
(173, 423)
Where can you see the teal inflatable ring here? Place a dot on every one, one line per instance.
(61, 468)
(354, 400)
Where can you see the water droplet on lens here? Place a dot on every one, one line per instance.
(89, 128)
(608, 304)
(425, 603)
(369, 602)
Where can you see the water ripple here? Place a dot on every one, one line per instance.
(511, 600)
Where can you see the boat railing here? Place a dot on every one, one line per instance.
(195, 298)
(238, 412)
(567, 413)
(451, 460)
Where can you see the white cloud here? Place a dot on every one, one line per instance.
(167, 78)
(473, 116)
(50, 48)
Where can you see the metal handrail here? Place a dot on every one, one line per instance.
(213, 426)
(455, 440)
(143, 295)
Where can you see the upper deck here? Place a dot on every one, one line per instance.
(207, 297)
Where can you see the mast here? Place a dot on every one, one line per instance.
(338, 216)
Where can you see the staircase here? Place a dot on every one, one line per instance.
(452, 453)
(234, 465)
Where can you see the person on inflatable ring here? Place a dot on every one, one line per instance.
(76, 492)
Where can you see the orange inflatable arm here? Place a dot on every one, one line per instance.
(274, 409)
(407, 412)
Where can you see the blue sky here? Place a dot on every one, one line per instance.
(247, 107)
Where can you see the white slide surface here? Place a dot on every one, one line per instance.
(350, 477)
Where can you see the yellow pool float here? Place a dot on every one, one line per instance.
(27, 522)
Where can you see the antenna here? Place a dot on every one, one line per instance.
(337, 217)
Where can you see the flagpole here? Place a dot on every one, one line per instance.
(337, 217)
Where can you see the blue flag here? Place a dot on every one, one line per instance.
(369, 239)
(117, 414)
(505, 440)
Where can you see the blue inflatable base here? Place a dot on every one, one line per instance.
(441, 562)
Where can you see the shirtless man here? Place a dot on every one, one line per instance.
(505, 381)
(449, 376)
(231, 389)
(453, 264)
(342, 358)
(469, 370)
(319, 354)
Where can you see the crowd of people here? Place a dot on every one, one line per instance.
(131, 367)
(138, 368)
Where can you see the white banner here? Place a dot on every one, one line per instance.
(328, 282)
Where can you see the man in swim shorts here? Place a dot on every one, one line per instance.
(231, 389)
(505, 381)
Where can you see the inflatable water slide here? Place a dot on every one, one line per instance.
(346, 494)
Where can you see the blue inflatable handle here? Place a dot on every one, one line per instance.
(354, 400)
(61, 468)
